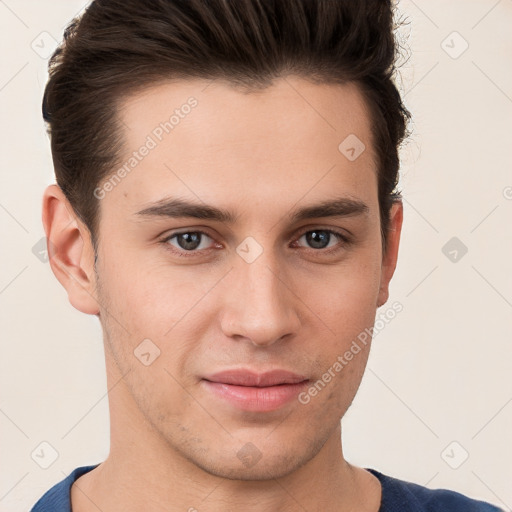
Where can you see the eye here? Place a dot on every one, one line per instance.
(192, 243)
(187, 241)
(321, 239)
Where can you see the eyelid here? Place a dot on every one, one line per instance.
(342, 233)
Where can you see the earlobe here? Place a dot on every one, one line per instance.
(70, 250)
(390, 257)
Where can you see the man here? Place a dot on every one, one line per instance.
(227, 206)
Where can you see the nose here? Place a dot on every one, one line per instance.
(260, 304)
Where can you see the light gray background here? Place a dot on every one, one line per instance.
(439, 372)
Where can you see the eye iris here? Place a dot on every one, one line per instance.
(190, 240)
(318, 239)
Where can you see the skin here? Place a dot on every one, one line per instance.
(173, 445)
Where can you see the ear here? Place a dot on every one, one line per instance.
(70, 250)
(389, 258)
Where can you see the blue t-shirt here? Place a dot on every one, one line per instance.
(397, 496)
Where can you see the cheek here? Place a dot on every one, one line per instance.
(158, 300)
(143, 293)
(167, 306)
(347, 298)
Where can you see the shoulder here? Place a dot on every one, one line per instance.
(400, 495)
(57, 498)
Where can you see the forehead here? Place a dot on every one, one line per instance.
(210, 140)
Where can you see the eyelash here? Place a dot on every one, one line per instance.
(345, 241)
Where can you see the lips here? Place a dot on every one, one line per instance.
(253, 379)
(247, 390)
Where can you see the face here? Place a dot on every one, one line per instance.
(249, 278)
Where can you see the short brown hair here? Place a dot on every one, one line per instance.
(118, 46)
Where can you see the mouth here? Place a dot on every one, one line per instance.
(251, 391)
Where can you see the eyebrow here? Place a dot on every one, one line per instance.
(180, 208)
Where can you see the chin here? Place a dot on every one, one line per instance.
(277, 467)
(257, 462)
